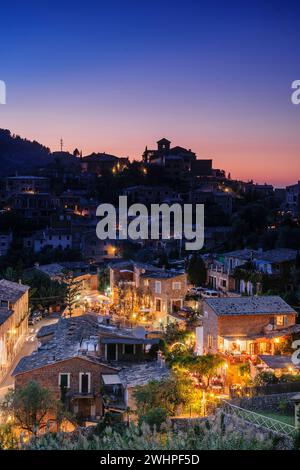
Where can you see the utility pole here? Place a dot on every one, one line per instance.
(61, 145)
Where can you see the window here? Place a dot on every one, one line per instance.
(158, 305)
(176, 285)
(84, 382)
(157, 287)
(280, 320)
(64, 380)
(223, 283)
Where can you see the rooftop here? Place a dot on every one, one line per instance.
(11, 291)
(162, 274)
(255, 305)
(134, 375)
(246, 253)
(67, 337)
(53, 269)
(279, 255)
(78, 337)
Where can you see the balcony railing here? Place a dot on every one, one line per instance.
(260, 420)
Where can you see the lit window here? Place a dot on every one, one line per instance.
(158, 305)
(280, 320)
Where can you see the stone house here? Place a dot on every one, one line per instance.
(245, 325)
(162, 291)
(166, 291)
(77, 381)
(87, 362)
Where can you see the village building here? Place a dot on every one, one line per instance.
(163, 291)
(245, 325)
(14, 313)
(151, 194)
(6, 239)
(26, 184)
(177, 162)
(90, 364)
(99, 163)
(242, 270)
(50, 237)
(292, 202)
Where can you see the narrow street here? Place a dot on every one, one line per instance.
(28, 347)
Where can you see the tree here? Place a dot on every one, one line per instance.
(155, 417)
(28, 406)
(196, 270)
(8, 439)
(158, 394)
(44, 292)
(73, 289)
(204, 367)
(103, 277)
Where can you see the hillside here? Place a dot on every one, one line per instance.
(18, 154)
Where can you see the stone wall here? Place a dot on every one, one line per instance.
(254, 431)
(267, 402)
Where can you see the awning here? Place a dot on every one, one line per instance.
(111, 379)
(278, 362)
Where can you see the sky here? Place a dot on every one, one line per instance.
(117, 75)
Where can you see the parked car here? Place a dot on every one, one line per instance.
(196, 290)
(38, 316)
(31, 320)
(210, 294)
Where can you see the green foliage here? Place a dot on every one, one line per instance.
(163, 393)
(201, 437)
(72, 290)
(103, 279)
(154, 417)
(244, 369)
(29, 406)
(44, 291)
(8, 440)
(282, 406)
(204, 367)
(265, 378)
(173, 333)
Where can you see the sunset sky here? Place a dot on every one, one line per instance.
(114, 76)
